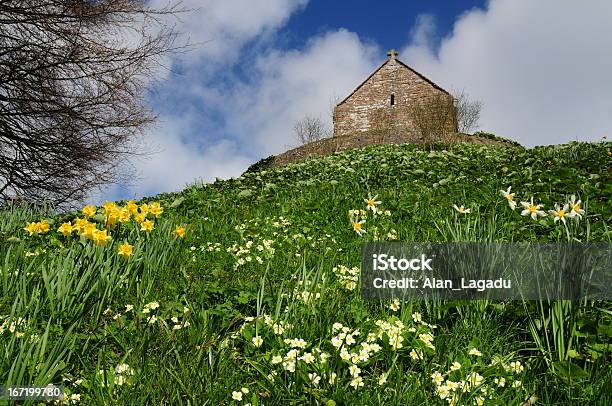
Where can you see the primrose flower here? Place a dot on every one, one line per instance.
(332, 378)
(314, 378)
(358, 227)
(146, 225)
(277, 359)
(372, 203)
(461, 209)
(237, 395)
(437, 378)
(126, 250)
(576, 207)
(382, 379)
(509, 197)
(308, 358)
(89, 211)
(257, 341)
(516, 367)
(475, 352)
(532, 210)
(560, 213)
(455, 366)
(416, 316)
(179, 232)
(357, 382)
(354, 370)
(395, 305)
(65, 229)
(336, 342)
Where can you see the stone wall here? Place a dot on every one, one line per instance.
(335, 144)
(359, 112)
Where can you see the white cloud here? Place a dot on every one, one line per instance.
(541, 68)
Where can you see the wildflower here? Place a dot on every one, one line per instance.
(395, 305)
(501, 382)
(139, 217)
(532, 210)
(314, 378)
(146, 225)
(89, 230)
(455, 366)
(65, 229)
(356, 382)
(79, 224)
(244, 390)
(179, 232)
(372, 203)
(308, 358)
(257, 341)
(560, 213)
(349, 340)
(126, 250)
(129, 307)
(576, 207)
(354, 370)
(416, 355)
(516, 367)
(452, 385)
(336, 326)
(277, 359)
(382, 379)
(358, 227)
(443, 391)
(289, 366)
(461, 209)
(89, 211)
(101, 237)
(237, 395)
(509, 197)
(416, 316)
(436, 378)
(517, 384)
(336, 342)
(124, 215)
(155, 209)
(332, 378)
(475, 352)
(31, 228)
(144, 209)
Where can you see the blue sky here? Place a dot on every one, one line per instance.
(539, 67)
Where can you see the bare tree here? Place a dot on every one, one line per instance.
(468, 112)
(72, 80)
(309, 129)
(434, 117)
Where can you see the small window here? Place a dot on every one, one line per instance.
(393, 100)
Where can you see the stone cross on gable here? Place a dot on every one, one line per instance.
(392, 54)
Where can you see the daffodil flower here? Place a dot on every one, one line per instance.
(576, 209)
(358, 227)
(126, 250)
(532, 210)
(509, 197)
(65, 229)
(461, 209)
(560, 213)
(372, 203)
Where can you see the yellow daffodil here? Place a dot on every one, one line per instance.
(89, 211)
(32, 228)
(101, 237)
(108, 207)
(144, 209)
(126, 250)
(43, 226)
(155, 209)
(132, 207)
(65, 229)
(79, 224)
(89, 230)
(140, 217)
(146, 225)
(179, 232)
(125, 215)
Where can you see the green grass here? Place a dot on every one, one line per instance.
(263, 251)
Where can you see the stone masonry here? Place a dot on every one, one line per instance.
(389, 92)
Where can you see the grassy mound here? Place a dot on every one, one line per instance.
(257, 302)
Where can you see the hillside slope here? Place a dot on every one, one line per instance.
(242, 307)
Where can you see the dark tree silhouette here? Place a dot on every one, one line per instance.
(72, 80)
